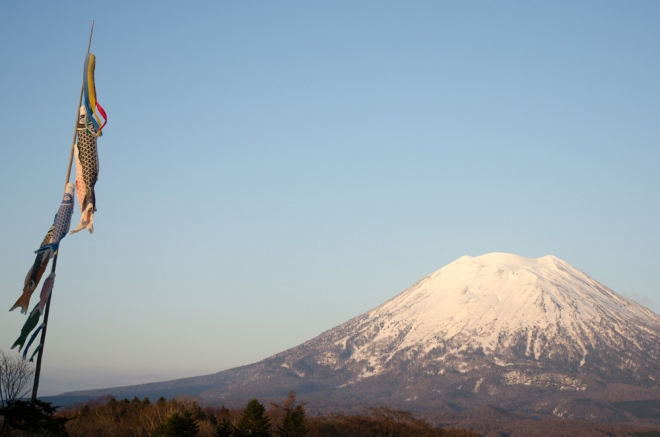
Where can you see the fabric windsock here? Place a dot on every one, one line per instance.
(93, 108)
(32, 338)
(29, 325)
(62, 222)
(38, 348)
(85, 152)
(34, 275)
(87, 171)
(46, 289)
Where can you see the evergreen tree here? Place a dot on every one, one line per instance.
(224, 429)
(38, 417)
(293, 424)
(180, 425)
(253, 421)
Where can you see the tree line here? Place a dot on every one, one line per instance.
(183, 416)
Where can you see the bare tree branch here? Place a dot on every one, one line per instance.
(15, 377)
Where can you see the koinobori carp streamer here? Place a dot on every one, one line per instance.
(62, 222)
(86, 152)
(36, 350)
(34, 275)
(48, 247)
(29, 325)
(32, 338)
(87, 172)
(94, 109)
(46, 289)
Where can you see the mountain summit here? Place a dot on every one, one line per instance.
(531, 335)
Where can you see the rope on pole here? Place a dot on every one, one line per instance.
(42, 341)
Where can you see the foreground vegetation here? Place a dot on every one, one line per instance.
(184, 417)
(109, 417)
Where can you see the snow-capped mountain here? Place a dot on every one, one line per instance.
(502, 308)
(532, 335)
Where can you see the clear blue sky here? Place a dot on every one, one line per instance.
(272, 169)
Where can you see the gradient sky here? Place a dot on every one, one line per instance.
(272, 169)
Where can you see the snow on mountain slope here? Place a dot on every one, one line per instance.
(503, 308)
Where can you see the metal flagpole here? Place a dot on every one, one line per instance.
(37, 370)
